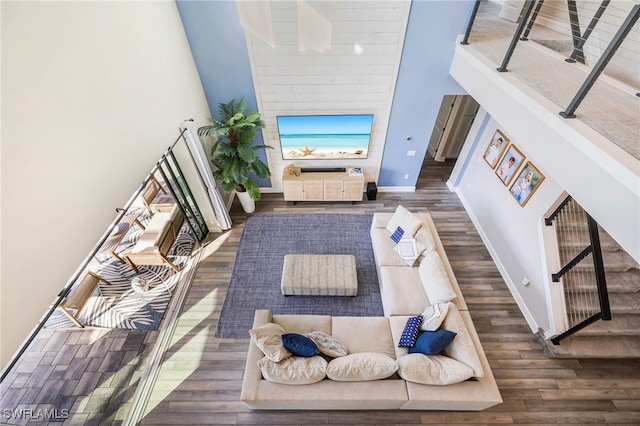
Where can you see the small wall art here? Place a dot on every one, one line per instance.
(495, 149)
(526, 184)
(511, 160)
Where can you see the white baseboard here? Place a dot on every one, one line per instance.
(503, 271)
(396, 189)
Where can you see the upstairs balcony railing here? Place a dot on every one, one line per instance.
(601, 39)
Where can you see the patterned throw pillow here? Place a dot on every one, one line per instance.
(397, 235)
(410, 332)
(327, 344)
(409, 249)
(433, 315)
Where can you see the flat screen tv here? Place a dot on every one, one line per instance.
(325, 137)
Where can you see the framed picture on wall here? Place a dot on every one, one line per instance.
(495, 149)
(511, 160)
(526, 184)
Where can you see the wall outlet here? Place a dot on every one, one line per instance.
(411, 153)
(406, 176)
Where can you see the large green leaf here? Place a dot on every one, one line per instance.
(246, 152)
(260, 169)
(252, 189)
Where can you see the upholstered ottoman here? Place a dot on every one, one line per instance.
(319, 275)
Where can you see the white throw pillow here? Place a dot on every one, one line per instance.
(295, 370)
(328, 344)
(432, 369)
(435, 280)
(268, 338)
(433, 315)
(425, 237)
(404, 219)
(362, 366)
(409, 249)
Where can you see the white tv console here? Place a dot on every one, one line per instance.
(321, 185)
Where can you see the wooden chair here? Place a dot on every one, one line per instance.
(79, 295)
(153, 245)
(150, 192)
(113, 241)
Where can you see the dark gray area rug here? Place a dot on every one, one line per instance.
(267, 238)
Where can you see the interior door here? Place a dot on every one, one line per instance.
(460, 122)
(440, 126)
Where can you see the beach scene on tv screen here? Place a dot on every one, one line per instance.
(324, 137)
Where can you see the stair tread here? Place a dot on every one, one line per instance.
(620, 324)
(623, 303)
(595, 347)
(616, 261)
(617, 282)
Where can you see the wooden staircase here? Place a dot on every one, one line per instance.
(619, 337)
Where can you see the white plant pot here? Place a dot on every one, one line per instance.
(248, 203)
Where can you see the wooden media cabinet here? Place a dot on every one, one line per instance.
(321, 185)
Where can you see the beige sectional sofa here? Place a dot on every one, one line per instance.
(377, 374)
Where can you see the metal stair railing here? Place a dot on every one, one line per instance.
(583, 276)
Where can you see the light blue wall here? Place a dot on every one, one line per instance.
(219, 49)
(422, 82)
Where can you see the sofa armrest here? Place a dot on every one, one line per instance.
(252, 373)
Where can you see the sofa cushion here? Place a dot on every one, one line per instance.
(361, 366)
(432, 369)
(409, 249)
(268, 338)
(385, 249)
(303, 324)
(410, 332)
(433, 316)
(432, 342)
(434, 278)
(462, 348)
(300, 345)
(402, 291)
(364, 334)
(328, 344)
(404, 219)
(294, 370)
(425, 237)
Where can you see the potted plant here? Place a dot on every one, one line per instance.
(234, 155)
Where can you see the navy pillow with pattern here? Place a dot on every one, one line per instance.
(410, 332)
(397, 235)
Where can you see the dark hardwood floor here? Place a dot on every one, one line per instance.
(535, 389)
(199, 377)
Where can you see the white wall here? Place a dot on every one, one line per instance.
(511, 232)
(335, 81)
(574, 158)
(92, 94)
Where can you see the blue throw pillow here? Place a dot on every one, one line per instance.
(299, 345)
(410, 332)
(397, 235)
(432, 342)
